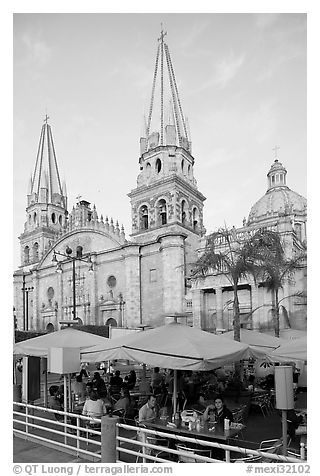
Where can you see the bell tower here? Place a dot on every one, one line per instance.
(46, 202)
(166, 198)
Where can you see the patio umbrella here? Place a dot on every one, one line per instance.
(259, 343)
(287, 334)
(65, 338)
(292, 350)
(68, 337)
(173, 346)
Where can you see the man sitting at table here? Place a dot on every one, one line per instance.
(148, 411)
(217, 412)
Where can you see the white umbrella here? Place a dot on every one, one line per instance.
(292, 350)
(259, 343)
(173, 346)
(68, 337)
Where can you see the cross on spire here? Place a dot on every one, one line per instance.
(46, 119)
(275, 149)
(162, 34)
(78, 198)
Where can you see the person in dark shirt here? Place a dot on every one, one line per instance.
(116, 380)
(217, 412)
(130, 380)
(98, 385)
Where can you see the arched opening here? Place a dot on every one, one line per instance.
(53, 217)
(148, 169)
(195, 218)
(144, 218)
(162, 212)
(183, 212)
(284, 316)
(189, 170)
(111, 322)
(182, 166)
(158, 165)
(34, 217)
(35, 251)
(50, 327)
(298, 230)
(26, 255)
(79, 251)
(60, 219)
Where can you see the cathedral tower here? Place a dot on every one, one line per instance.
(46, 202)
(166, 197)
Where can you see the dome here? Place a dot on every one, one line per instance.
(279, 199)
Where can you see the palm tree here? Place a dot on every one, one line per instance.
(229, 256)
(273, 267)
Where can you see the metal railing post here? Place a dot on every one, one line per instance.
(302, 451)
(227, 456)
(108, 439)
(27, 420)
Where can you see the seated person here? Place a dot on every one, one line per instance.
(116, 380)
(294, 421)
(54, 402)
(98, 385)
(217, 412)
(78, 389)
(130, 380)
(123, 404)
(94, 407)
(157, 381)
(148, 411)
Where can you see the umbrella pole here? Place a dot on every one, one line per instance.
(175, 384)
(65, 403)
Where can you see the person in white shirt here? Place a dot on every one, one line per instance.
(148, 411)
(94, 407)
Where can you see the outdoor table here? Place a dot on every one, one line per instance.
(218, 434)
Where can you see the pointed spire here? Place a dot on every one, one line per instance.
(165, 103)
(46, 162)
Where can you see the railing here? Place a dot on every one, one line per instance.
(147, 452)
(71, 435)
(115, 440)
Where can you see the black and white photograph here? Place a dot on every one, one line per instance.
(160, 239)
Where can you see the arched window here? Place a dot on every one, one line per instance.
(144, 218)
(272, 179)
(189, 170)
(79, 251)
(182, 165)
(195, 218)
(183, 212)
(162, 212)
(148, 169)
(298, 230)
(60, 219)
(34, 217)
(53, 217)
(26, 255)
(158, 165)
(35, 251)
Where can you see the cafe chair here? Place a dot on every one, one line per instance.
(192, 452)
(260, 404)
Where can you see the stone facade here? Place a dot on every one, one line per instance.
(281, 210)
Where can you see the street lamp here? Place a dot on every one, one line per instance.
(73, 259)
(26, 290)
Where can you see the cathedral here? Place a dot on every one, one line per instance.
(77, 265)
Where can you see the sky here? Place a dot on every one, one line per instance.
(242, 84)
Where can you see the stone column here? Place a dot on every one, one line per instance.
(255, 318)
(172, 251)
(132, 286)
(197, 307)
(219, 304)
(60, 314)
